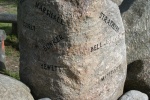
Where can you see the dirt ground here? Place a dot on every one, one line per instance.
(12, 63)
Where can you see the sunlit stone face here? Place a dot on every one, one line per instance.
(77, 51)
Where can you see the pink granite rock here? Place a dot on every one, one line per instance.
(72, 49)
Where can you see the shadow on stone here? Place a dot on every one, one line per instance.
(133, 82)
(126, 4)
(138, 64)
(2, 66)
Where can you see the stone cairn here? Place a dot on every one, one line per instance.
(72, 49)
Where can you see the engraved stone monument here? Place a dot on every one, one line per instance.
(72, 49)
(137, 24)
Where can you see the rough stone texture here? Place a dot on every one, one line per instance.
(134, 95)
(136, 18)
(76, 53)
(44, 99)
(118, 2)
(11, 89)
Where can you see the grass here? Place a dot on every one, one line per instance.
(8, 6)
(6, 27)
(12, 41)
(11, 74)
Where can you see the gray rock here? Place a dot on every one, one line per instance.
(118, 2)
(134, 95)
(136, 18)
(44, 99)
(72, 49)
(11, 89)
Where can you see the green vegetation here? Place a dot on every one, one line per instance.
(8, 6)
(11, 74)
(6, 27)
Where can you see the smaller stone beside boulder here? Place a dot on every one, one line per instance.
(134, 95)
(12, 89)
(44, 99)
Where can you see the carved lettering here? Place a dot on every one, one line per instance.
(29, 26)
(49, 13)
(106, 42)
(109, 22)
(53, 42)
(51, 67)
(110, 73)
